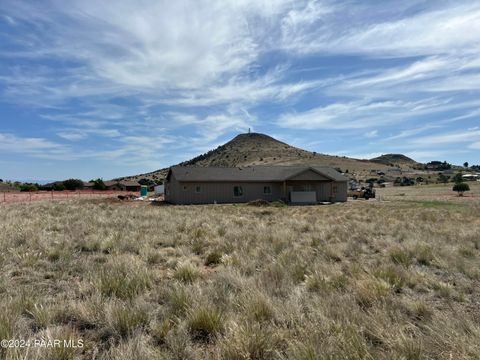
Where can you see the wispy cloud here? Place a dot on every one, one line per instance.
(125, 82)
(27, 145)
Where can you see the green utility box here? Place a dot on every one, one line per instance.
(143, 190)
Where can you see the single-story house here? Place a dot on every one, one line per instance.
(123, 185)
(470, 177)
(292, 184)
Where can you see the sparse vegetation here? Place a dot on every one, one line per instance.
(393, 279)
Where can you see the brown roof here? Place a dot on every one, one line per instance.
(122, 182)
(249, 173)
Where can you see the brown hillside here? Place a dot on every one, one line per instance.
(397, 160)
(259, 149)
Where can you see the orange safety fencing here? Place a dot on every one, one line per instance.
(14, 197)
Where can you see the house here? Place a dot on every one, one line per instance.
(470, 177)
(293, 184)
(123, 185)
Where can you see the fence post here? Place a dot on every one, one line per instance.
(52, 194)
(30, 196)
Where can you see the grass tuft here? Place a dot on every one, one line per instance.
(186, 273)
(204, 323)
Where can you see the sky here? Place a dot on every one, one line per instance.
(105, 89)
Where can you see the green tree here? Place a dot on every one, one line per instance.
(443, 178)
(465, 164)
(458, 178)
(73, 184)
(28, 187)
(461, 188)
(58, 187)
(147, 182)
(98, 184)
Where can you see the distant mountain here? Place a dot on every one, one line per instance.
(260, 149)
(397, 160)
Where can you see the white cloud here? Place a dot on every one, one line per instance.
(447, 138)
(361, 114)
(28, 145)
(475, 145)
(72, 135)
(371, 134)
(429, 32)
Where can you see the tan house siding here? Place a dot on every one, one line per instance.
(222, 191)
(185, 192)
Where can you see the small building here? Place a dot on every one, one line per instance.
(292, 184)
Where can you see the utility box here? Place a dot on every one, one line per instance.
(144, 190)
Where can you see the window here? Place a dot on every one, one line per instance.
(198, 189)
(237, 191)
(267, 190)
(334, 189)
(307, 187)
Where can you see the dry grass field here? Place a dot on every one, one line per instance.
(394, 278)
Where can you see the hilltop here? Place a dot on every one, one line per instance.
(397, 160)
(260, 149)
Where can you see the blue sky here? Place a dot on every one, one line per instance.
(109, 88)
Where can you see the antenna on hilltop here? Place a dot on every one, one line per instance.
(249, 130)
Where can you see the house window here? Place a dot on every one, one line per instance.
(304, 187)
(267, 190)
(198, 189)
(334, 189)
(237, 191)
(184, 187)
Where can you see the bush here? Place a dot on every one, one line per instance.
(58, 187)
(458, 178)
(214, 258)
(443, 178)
(73, 184)
(28, 187)
(98, 184)
(146, 182)
(461, 188)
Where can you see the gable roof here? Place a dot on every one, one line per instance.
(249, 173)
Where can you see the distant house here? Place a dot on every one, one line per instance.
(293, 184)
(88, 185)
(123, 185)
(470, 177)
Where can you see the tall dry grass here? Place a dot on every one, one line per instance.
(363, 280)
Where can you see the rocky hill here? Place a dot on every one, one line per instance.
(260, 149)
(397, 160)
